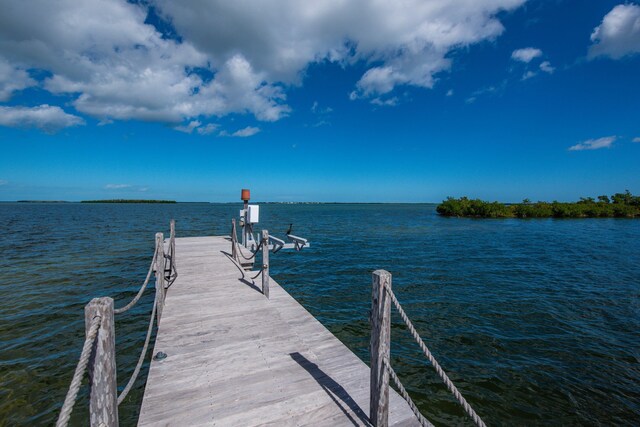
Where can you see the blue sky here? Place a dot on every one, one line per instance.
(407, 101)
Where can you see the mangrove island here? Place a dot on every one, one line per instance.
(620, 205)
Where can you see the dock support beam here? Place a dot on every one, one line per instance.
(159, 275)
(380, 348)
(103, 405)
(265, 263)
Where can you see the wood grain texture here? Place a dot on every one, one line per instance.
(380, 348)
(159, 275)
(172, 248)
(265, 263)
(103, 401)
(235, 358)
(234, 240)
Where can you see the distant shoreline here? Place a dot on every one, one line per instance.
(128, 201)
(39, 201)
(619, 205)
(222, 203)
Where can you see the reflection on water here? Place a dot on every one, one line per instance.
(536, 321)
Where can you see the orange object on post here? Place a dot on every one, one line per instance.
(245, 195)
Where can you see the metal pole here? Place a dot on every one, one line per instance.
(245, 228)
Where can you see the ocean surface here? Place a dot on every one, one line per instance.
(536, 321)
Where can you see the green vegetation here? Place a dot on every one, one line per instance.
(128, 201)
(620, 205)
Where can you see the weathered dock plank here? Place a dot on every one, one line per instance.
(236, 358)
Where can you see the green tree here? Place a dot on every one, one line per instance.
(622, 198)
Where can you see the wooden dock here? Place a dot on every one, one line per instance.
(236, 358)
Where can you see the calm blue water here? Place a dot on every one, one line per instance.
(537, 321)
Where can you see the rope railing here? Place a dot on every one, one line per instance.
(135, 300)
(98, 351)
(403, 392)
(441, 373)
(264, 245)
(259, 273)
(143, 353)
(382, 296)
(170, 257)
(81, 367)
(254, 253)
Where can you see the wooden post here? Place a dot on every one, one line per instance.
(172, 238)
(103, 405)
(172, 247)
(159, 275)
(234, 239)
(265, 263)
(380, 349)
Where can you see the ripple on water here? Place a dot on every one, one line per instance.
(536, 321)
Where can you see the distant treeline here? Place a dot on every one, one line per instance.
(620, 205)
(41, 201)
(128, 201)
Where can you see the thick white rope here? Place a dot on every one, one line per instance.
(142, 288)
(74, 387)
(423, 421)
(443, 376)
(143, 353)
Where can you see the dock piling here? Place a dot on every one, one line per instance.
(380, 348)
(103, 406)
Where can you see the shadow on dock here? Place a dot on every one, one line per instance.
(243, 279)
(335, 391)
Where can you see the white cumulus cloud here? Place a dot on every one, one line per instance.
(117, 67)
(230, 56)
(242, 133)
(12, 79)
(636, 139)
(619, 33)
(188, 128)
(49, 118)
(281, 37)
(526, 54)
(391, 102)
(207, 129)
(594, 144)
(197, 126)
(546, 67)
